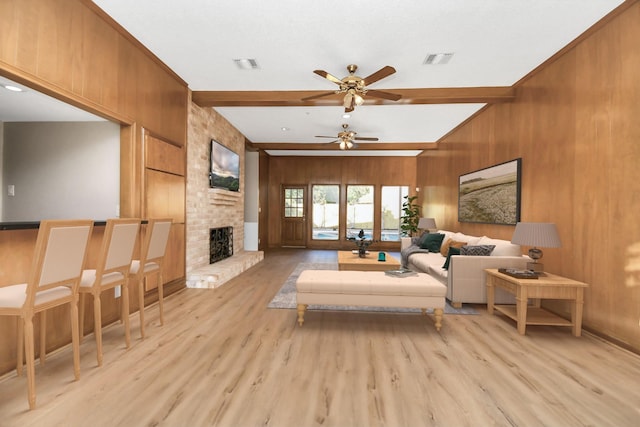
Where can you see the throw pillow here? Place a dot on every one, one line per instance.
(432, 242)
(452, 251)
(478, 250)
(444, 249)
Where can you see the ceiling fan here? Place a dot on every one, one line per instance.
(355, 87)
(347, 138)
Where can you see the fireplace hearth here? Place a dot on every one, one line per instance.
(220, 243)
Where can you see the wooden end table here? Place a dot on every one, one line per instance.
(350, 261)
(548, 286)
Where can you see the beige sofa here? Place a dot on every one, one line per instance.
(465, 278)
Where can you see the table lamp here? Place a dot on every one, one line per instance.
(427, 224)
(536, 234)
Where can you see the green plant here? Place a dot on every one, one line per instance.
(410, 216)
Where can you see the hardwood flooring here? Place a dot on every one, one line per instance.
(224, 359)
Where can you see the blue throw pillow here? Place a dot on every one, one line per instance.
(479, 250)
(432, 242)
(452, 251)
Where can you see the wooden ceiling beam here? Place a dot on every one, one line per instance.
(323, 146)
(293, 98)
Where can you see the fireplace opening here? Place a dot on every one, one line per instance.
(220, 243)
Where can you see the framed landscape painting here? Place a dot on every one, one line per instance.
(491, 195)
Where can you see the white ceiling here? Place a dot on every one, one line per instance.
(495, 43)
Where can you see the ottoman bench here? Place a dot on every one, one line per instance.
(369, 288)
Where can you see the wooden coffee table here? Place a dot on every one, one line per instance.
(347, 260)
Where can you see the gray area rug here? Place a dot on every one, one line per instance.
(286, 296)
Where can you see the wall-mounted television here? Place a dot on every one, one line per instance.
(225, 167)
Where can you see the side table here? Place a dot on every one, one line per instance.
(548, 286)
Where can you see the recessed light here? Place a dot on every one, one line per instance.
(246, 63)
(346, 116)
(284, 129)
(13, 88)
(437, 58)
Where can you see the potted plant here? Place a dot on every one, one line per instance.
(410, 216)
(362, 243)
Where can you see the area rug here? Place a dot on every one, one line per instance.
(286, 296)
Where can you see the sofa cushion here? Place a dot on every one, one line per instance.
(432, 242)
(444, 248)
(471, 240)
(452, 251)
(447, 234)
(423, 261)
(477, 250)
(502, 247)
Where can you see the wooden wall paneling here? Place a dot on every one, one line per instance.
(130, 173)
(72, 53)
(165, 195)
(375, 171)
(164, 156)
(626, 153)
(607, 95)
(71, 50)
(574, 125)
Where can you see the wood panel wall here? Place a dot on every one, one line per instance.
(308, 171)
(71, 50)
(575, 125)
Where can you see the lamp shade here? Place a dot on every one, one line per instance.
(427, 223)
(537, 234)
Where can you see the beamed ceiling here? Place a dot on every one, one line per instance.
(494, 45)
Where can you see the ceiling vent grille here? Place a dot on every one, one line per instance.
(437, 58)
(246, 63)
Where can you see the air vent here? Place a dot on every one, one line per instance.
(246, 63)
(437, 58)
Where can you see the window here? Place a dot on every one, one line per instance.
(392, 198)
(360, 210)
(326, 212)
(293, 203)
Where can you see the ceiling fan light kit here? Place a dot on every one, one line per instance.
(355, 87)
(347, 137)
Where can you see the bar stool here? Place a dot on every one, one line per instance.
(53, 280)
(150, 262)
(112, 270)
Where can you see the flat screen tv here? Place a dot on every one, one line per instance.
(225, 168)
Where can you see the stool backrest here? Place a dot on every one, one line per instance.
(60, 252)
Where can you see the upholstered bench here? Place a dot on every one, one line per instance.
(369, 288)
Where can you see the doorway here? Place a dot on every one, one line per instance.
(294, 216)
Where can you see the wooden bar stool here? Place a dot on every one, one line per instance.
(150, 262)
(53, 280)
(112, 269)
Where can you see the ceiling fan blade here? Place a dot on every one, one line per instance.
(363, 138)
(334, 141)
(309, 98)
(323, 136)
(379, 75)
(328, 76)
(385, 95)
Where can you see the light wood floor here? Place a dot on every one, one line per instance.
(224, 359)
